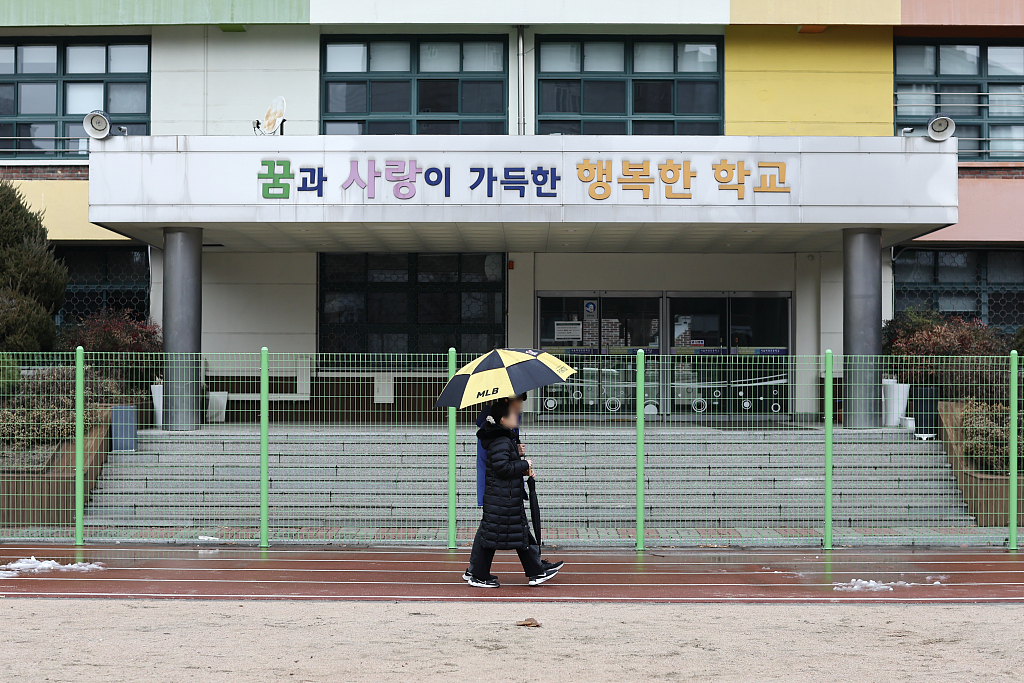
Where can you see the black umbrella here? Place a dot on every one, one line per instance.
(534, 508)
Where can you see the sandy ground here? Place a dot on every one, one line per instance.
(204, 641)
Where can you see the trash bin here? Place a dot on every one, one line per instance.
(218, 407)
(894, 401)
(926, 409)
(124, 428)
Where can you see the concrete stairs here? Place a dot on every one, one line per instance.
(396, 478)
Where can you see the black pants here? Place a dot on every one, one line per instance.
(480, 558)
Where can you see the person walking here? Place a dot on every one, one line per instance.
(503, 525)
(516, 406)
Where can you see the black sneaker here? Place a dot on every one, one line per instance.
(545, 565)
(484, 583)
(541, 578)
(467, 576)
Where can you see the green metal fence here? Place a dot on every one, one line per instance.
(634, 450)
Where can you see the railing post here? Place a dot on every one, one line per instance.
(641, 397)
(829, 417)
(452, 492)
(1014, 473)
(79, 446)
(264, 448)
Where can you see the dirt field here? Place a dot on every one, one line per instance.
(138, 641)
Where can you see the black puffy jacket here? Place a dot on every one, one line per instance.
(504, 523)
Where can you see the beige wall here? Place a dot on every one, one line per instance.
(252, 300)
(207, 82)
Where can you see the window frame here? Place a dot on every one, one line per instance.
(629, 76)
(61, 78)
(910, 294)
(982, 79)
(413, 76)
(413, 288)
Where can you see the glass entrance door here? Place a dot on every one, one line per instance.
(728, 353)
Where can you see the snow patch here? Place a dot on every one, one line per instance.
(876, 586)
(30, 565)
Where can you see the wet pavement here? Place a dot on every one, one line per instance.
(700, 575)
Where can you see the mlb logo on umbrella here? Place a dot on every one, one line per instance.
(487, 392)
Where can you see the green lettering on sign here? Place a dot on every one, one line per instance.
(276, 189)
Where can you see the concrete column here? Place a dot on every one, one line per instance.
(182, 317)
(862, 328)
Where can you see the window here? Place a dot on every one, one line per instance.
(47, 86)
(419, 86)
(411, 303)
(619, 86)
(980, 86)
(104, 277)
(985, 285)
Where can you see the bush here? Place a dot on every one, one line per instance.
(906, 324)
(986, 437)
(954, 354)
(32, 282)
(25, 326)
(136, 344)
(42, 411)
(1017, 342)
(10, 375)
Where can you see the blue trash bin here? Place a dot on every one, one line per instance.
(124, 428)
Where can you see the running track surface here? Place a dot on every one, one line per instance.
(703, 575)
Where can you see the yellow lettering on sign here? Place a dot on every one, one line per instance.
(772, 182)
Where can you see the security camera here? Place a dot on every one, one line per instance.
(940, 127)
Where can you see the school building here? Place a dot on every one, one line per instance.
(706, 177)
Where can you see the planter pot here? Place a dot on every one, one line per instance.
(124, 427)
(987, 495)
(46, 496)
(894, 402)
(158, 405)
(217, 407)
(925, 399)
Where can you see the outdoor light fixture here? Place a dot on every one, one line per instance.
(97, 124)
(940, 127)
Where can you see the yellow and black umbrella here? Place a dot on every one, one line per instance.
(502, 373)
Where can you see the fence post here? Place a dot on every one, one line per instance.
(79, 446)
(452, 492)
(264, 448)
(640, 477)
(829, 417)
(1014, 473)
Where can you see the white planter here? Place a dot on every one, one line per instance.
(158, 405)
(218, 406)
(894, 401)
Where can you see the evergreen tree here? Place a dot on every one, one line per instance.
(32, 281)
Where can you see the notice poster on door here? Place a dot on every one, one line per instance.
(590, 309)
(568, 330)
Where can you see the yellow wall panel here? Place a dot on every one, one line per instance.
(66, 207)
(780, 82)
(883, 12)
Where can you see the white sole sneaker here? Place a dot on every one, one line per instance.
(481, 584)
(546, 576)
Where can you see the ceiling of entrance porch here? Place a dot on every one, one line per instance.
(535, 237)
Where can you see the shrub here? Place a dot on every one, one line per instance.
(986, 437)
(906, 324)
(25, 326)
(32, 282)
(956, 355)
(1017, 342)
(137, 344)
(42, 411)
(10, 375)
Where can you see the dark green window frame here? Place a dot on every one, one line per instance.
(678, 91)
(982, 135)
(370, 87)
(987, 285)
(358, 297)
(63, 140)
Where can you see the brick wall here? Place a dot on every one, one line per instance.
(44, 172)
(1014, 171)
